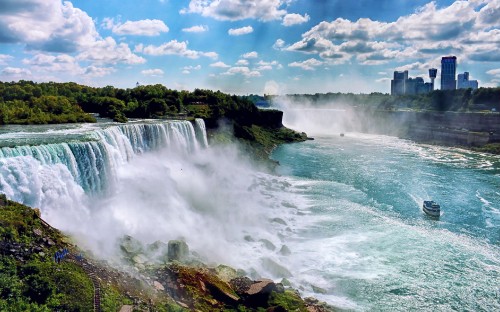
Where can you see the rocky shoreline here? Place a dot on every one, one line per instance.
(174, 280)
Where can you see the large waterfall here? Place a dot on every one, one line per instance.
(90, 161)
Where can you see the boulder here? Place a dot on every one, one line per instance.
(275, 268)
(158, 286)
(226, 273)
(267, 244)
(177, 250)
(253, 293)
(130, 245)
(285, 251)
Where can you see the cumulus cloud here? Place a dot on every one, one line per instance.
(468, 29)
(234, 10)
(196, 29)
(15, 71)
(252, 54)
(109, 52)
(242, 70)
(219, 65)
(48, 25)
(54, 63)
(279, 44)
(4, 58)
(145, 27)
(94, 71)
(174, 47)
(494, 72)
(152, 72)
(309, 64)
(242, 63)
(188, 69)
(240, 31)
(295, 19)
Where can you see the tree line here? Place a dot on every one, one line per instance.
(438, 100)
(27, 102)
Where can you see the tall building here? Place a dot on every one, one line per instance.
(448, 72)
(432, 75)
(463, 82)
(398, 83)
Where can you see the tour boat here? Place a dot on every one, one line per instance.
(431, 208)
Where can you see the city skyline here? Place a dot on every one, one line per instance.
(242, 47)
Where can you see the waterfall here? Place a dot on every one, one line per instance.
(30, 173)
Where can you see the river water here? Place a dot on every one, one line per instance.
(341, 220)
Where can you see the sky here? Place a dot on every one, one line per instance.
(247, 46)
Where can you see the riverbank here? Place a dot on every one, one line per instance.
(32, 278)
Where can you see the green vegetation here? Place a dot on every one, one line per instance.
(30, 280)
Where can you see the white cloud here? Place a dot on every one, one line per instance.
(494, 72)
(48, 25)
(186, 72)
(15, 71)
(145, 27)
(220, 65)
(309, 64)
(152, 72)
(240, 31)
(242, 63)
(252, 54)
(94, 71)
(52, 63)
(234, 10)
(279, 44)
(242, 70)
(196, 29)
(175, 47)
(197, 67)
(4, 58)
(468, 29)
(107, 51)
(295, 19)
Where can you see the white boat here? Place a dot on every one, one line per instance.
(431, 208)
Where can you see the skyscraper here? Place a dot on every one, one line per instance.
(448, 72)
(432, 75)
(398, 83)
(463, 82)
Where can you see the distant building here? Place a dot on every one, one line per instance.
(402, 84)
(463, 82)
(432, 75)
(448, 72)
(398, 83)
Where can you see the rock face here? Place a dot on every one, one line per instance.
(255, 293)
(178, 251)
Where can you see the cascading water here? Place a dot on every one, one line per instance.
(92, 162)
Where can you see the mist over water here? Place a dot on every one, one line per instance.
(342, 221)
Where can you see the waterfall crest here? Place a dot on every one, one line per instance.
(90, 163)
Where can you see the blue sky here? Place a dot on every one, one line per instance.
(246, 46)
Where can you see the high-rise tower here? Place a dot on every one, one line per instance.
(448, 73)
(432, 75)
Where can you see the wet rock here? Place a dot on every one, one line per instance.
(279, 221)
(318, 290)
(177, 250)
(130, 245)
(267, 244)
(275, 268)
(253, 293)
(248, 238)
(226, 273)
(285, 251)
(140, 259)
(158, 286)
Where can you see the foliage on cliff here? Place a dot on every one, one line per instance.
(30, 279)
